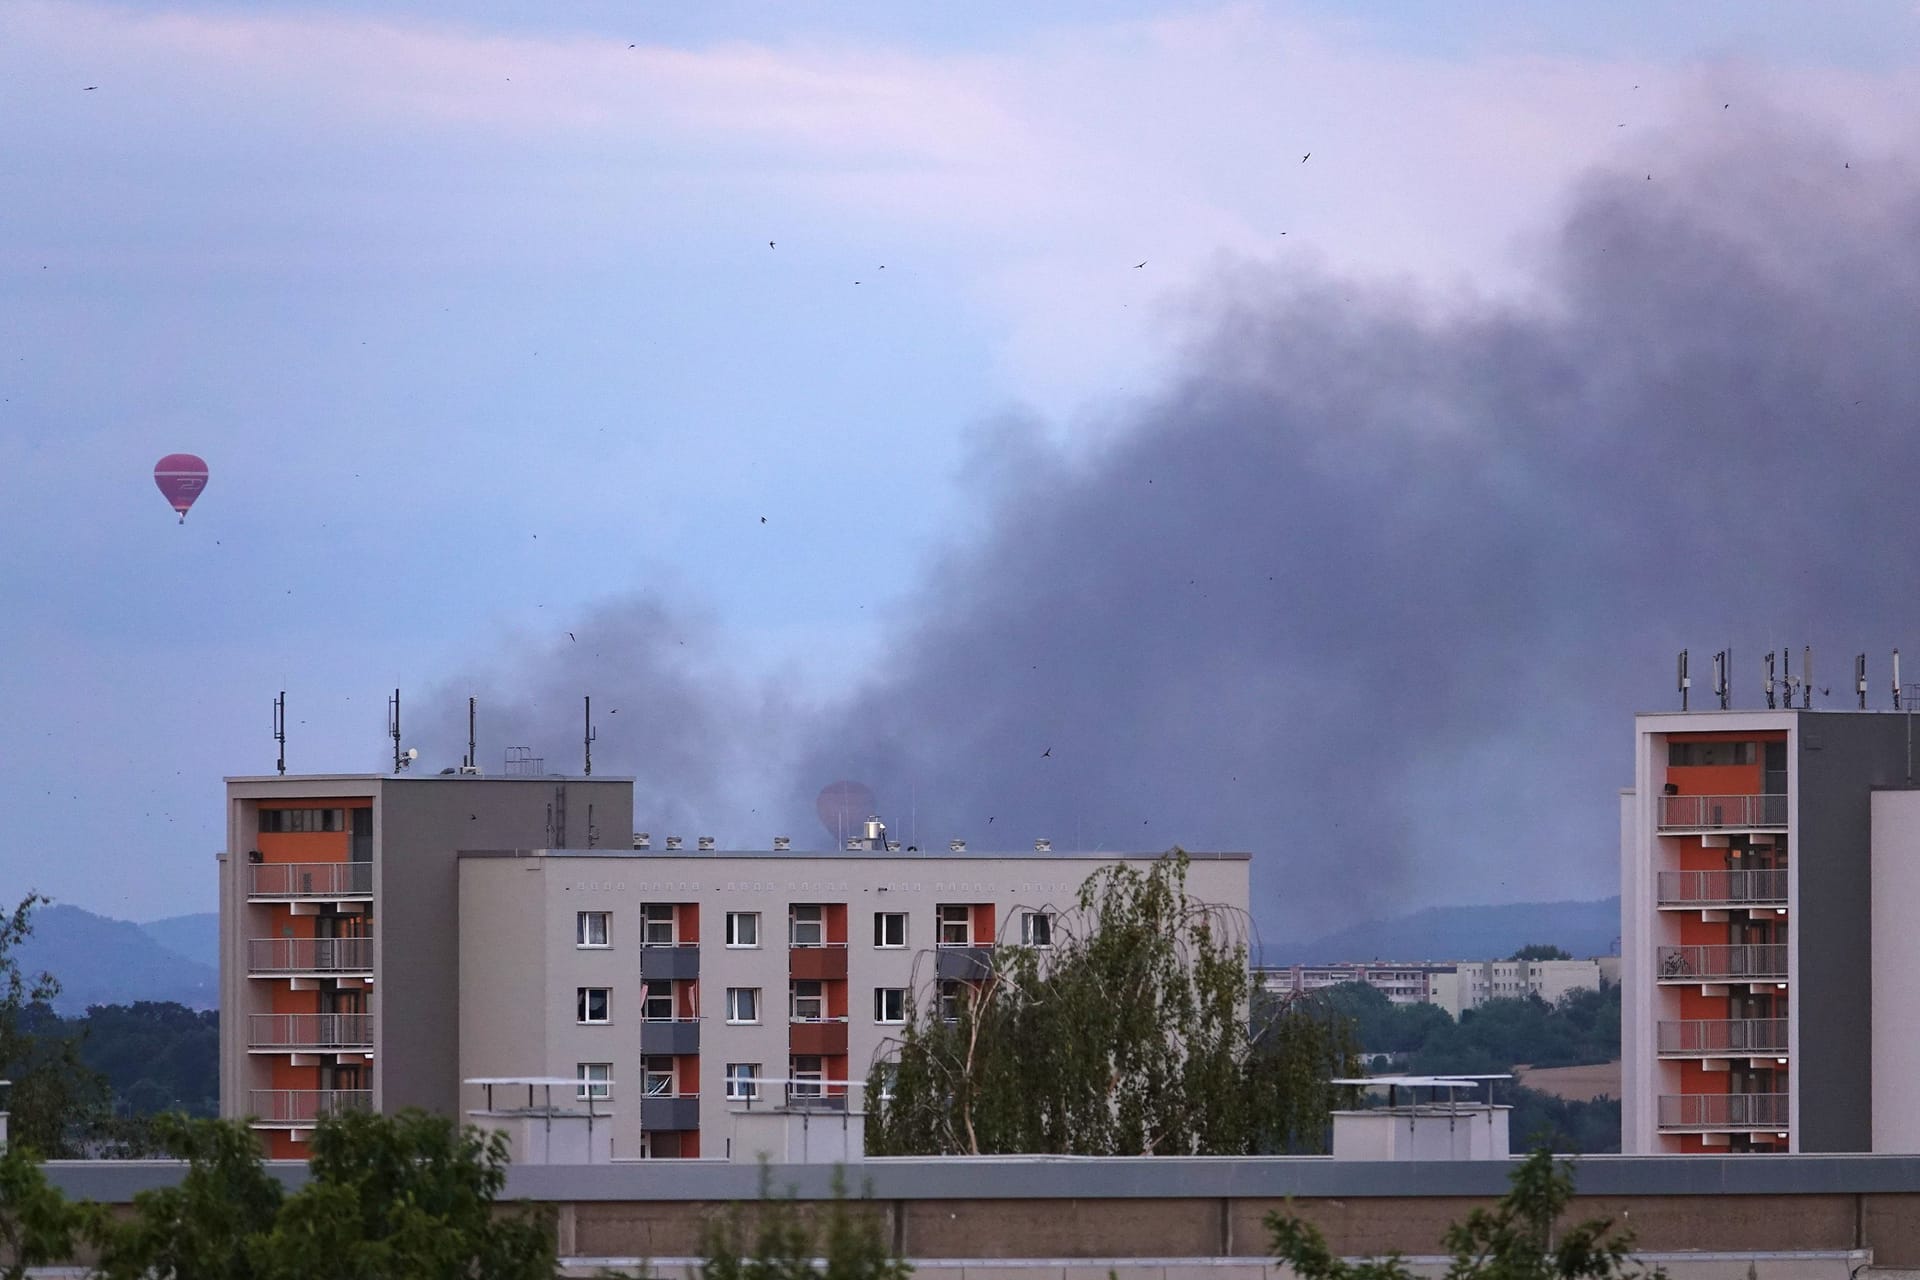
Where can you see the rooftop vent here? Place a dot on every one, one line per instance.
(706, 844)
(957, 846)
(673, 842)
(893, 846)
(642, 840)
(855, 844)
(782, 843)
(1043, 846)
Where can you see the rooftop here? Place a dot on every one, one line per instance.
(940, 853)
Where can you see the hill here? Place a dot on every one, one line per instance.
(103, 961)
(1463, 933)
(197, 937)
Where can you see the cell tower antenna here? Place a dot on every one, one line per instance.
(1860, 678)
(280, 727)
(1685, 681)
(1769, 668)
(587, 741)
(393, 727)
(473, 758)
(1722, 676)
(1806, 677)
(1896, 679)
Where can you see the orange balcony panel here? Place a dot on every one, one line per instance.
(825, 963)
(825, 1039)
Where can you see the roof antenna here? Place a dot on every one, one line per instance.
(1806, 678)
(587, 742)
(1723, 676)
(473, 758)
(1685, 682)
(1860, 678)
(393, 727)
(1896, 679)
(280, 724)
(1769, 666)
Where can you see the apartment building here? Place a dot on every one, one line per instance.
(1766, 885)
(1402, 984)
(1456, 986)
(339, 983)
(678, 986)
(386, 938)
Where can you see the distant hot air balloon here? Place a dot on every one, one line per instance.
(181, 477)
(843, 808)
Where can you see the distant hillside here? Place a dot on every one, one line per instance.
(197, 937)
(103, 961)
(1463, 933)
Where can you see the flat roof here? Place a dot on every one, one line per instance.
(923, 855)
(425, 775)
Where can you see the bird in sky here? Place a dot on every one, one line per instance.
(989, 821)
(90, 88)
(1306, 157)
(1138, 265)
(763, 519)
(1045, 754)
(769, 244)
(570, 637)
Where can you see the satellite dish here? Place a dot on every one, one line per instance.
(180, 477)
(843, 808)
(413, 753)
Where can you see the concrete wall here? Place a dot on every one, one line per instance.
(1896, 954)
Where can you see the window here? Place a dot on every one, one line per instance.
(889, 928)
(593, 1004)
(743, 928)
(1036, 928)
(889, 1073)
(950, 1000)
(742, 1080)
(656, 1075)
(1688, 754)
(656, 924)
(956, 925)
(809, 1005)
(889, 1004)
(591, 928)
(656, 1004)
(596, 1080)
(809, 925)
(277, 821)
(807, 1073)
(743, 1004)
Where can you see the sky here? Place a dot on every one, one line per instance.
(1286, 427)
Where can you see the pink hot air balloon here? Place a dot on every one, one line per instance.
(181, 477)
(843, 807)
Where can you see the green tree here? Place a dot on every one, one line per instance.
(203, 1227)
(54, 1093)
(1129, 1035)
(1540, 951)
(1518, 1239)
(774, 1241)
(38, 1228)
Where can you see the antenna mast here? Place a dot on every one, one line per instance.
(280, 726)
(1722, 676)
(1896, 679)
(1860, 678)
(473, 759)
(587, 741)
(1685, 682)
(1806, 678)
(393, 727)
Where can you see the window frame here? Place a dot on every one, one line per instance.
(880, 920)
(660, 991)
(591, 1087)
(945, 919)
(583, 1005)
(582, 934)
(650, 917)
(807, 1082)
(651, 1071)
(818, 922)
(752, 995)
(734, 919)
(1027, 921)
(794, 998)
(747, 1074)
(880, 1002)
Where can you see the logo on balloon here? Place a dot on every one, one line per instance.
(180, 477)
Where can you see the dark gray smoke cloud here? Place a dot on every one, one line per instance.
(1373, 590)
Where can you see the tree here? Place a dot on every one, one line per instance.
(1128, 1036)
(774, 1242)
(1540, 951)
(53, 1091)
(201, 1227)
(38, 1227)
(1515, 1240)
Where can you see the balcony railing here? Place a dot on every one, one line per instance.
(309, 955)
(1724, 1111)
(1723, 888)
(295, 1031)
(335, 880)
(1722, 813)
(1724, 1038)
(1741, 962)
(305, 1106)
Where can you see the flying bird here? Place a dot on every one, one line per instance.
(1306, 157)
(90, 88)
(1046, 753)
(1138, 265)
(769, 244)
(763, 519)
(570, 637)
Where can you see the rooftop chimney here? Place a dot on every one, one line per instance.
(957, 846)
(642, 840)
(782, 843)
(1043, 846)
(673, 842)
(706, 844)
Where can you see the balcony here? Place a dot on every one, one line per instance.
(967, 964)
(669, 962)
(1723, 813)
(299, 1032)
(294, 881)
(302, 1108)
(817, 1037)
(1702, 1112)
(820, 964)
(1723, 888)
(670, 1035)
(1748, 962)
(1724, 1038)
(310, 957)
(669, 1111)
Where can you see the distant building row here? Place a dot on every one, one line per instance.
(1454, 987)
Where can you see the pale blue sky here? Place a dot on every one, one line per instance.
(471, 310)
